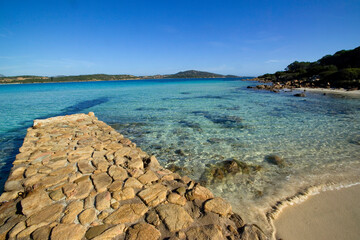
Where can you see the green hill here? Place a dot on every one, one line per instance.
(195, 74)
(106, 77)
(341, 69)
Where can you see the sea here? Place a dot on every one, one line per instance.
(193, 126)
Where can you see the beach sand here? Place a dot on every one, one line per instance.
(355, 93)
(329, 215)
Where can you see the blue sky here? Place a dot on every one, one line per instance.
(247, 38)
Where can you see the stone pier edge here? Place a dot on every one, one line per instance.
(77, 178)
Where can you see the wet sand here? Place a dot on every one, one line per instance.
(329, 215)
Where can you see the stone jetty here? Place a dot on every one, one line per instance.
(77, 178)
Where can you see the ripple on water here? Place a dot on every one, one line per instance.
(194, 125)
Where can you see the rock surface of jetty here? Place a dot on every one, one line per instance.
(77, 178)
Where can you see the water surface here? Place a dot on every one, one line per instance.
(195, 124)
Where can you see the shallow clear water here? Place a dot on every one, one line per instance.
(195, 123)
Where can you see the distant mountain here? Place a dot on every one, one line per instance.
(93, 77)
(2, 75)
(106, 77)
(195, 74)
(234, 76)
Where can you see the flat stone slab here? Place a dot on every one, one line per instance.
(101, 181)
(47, 214)
(35, 201)
(218, 205)
(143, 231)
(127, 213)
(175, 217)
(77, 178)
(68, 231)
(205, 232)
(154, 195)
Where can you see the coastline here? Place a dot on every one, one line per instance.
(274, 95)
(339, 91)
(328, 213)
(125, 79)
(73, 81)
(277, 88)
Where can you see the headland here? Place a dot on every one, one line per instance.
(338, 71)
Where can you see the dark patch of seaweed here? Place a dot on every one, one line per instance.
(198, 97)
(226, 121)
(151, 109)
(194, 126)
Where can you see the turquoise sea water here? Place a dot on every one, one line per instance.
(195, 123)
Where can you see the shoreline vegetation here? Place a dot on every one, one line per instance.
(106, 77)
(340, 70)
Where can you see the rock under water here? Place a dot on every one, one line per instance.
(77, 178)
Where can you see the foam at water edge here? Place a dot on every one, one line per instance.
(299, 198)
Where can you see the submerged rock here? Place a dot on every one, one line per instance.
(226, 121)
(276, 160)
(193, 125)
(218, 174)
(355, 141)
(215, 140)
(178, 169)
(227, 168)
(300, 95)
(233, 166)
(180, 152)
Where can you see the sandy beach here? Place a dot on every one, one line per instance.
(354, 93)
(329, 215)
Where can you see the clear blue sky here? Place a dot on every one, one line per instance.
(69, 37)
